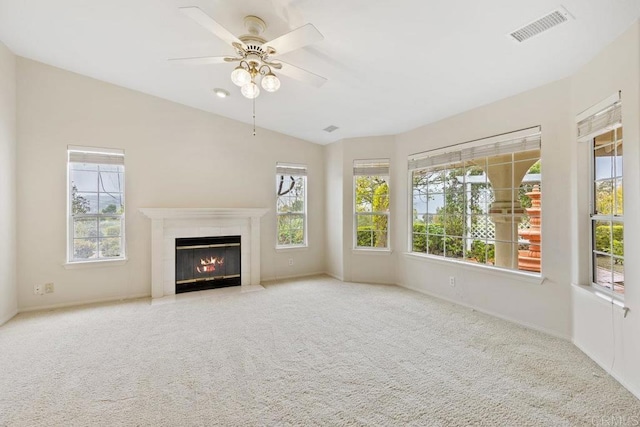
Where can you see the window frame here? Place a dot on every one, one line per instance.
(612, 218)
(302, 173)
(373, 165)
(94, 153)
(442, 159)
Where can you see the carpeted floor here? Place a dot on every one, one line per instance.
(305, 352)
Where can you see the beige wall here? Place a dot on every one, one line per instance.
(362, 265)
(8, 290)
(175, 156)
(600, 328)
(334, 215)
(343, 261)
(546, 306)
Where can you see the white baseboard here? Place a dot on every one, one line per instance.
(490, 313)
(8, 317)
(79, 303)
(334, 276)
(607, 368)
(293, 276)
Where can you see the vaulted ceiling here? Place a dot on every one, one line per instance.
(391, 65)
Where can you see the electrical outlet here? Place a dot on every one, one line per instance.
(48, 288)
(290, 261)
(38, 289)
(452, 280)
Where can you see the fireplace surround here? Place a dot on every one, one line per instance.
(169, 224)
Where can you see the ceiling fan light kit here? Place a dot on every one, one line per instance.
(254, 53)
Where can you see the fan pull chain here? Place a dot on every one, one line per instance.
(254, 117)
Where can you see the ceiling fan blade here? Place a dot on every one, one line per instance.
(201, 60)
(210, 24)
(301, 75)
(300, 37)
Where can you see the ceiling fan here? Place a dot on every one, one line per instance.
(255, 54)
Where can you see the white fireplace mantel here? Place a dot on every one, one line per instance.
(167, 224)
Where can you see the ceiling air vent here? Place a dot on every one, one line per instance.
(330, 128)
(541, 25)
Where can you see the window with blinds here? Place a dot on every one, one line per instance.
(602, 130)
(95, 204)
(291, 205)
(479, 202)
(371, 203)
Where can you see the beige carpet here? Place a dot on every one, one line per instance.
(305, 352)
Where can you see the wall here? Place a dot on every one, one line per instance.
(600, 328)
(175, 156)
(343, 261)
(8, 289)
(334, 215)
(363, 265)
(545, 306)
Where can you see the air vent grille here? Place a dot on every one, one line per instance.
(330, 128)
(538, 26)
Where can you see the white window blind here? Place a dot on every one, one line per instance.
(104, 156)
(603, 121)
(371, 167)
(527, 140)
(294, 170)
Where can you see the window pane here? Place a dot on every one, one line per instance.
(110, 227)
(85, 227)
(617, 233)
(604, 197)
(454, 225)
(84, 180)
(603, 270)
(419, 203)
(283, 230)
(365, 238)
(602, 236)
(435, 245)
(435, 181)
(454, 247)
(83, 166)
(85, 248)
(84, 203)
(111, 182)
(435, 202)
(619, 198)
(419, 242)
(110, 247)
(111, 203)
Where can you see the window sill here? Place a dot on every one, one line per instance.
(371, 251)
(608, 299)
(95, 264)
(536, 279)
(292, 248)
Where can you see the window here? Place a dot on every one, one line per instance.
(291, 205)
(480, 202)
(96, 204)
(603, 131)
(371, 203)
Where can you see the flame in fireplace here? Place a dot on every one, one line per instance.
(208, 265)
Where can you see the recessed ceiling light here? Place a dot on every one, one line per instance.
(220, 93)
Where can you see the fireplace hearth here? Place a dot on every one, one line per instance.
(207, 263)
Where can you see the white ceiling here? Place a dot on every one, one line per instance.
(391, 65)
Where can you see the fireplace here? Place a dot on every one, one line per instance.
(207, 263)
(169, 224)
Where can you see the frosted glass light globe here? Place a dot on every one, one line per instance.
(250, 90)
(270, 82)
(240, 76)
